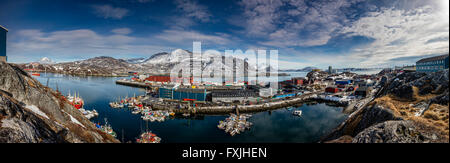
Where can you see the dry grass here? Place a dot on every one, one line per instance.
(436, 116)
(107, 137)
(350, 128)
(80, 132)
(31, 83)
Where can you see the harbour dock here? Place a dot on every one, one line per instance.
(238, 108)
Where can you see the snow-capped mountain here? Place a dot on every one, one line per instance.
(45, 60)
(158, 63)
(174, 57)
(135, 60)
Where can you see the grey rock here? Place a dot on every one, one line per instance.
(18, 90)
(397, 132)
(361, 120)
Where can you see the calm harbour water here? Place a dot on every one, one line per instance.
(276, 126)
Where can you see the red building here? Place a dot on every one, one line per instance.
(167, 79)
(331, 90)
(158, 78)
(298, 81)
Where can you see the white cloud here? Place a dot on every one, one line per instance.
(30, 45)
(261, 16)
(108, 11)
(181, 36)
(192, 9)
(400, 33)
(122, 31)
(290, 23)
(399, 30)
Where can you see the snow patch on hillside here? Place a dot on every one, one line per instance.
(36, 110)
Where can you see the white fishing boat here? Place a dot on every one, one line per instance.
(297, 113)
(136, 111)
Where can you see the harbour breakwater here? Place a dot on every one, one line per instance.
(238, 108)
(133, 84)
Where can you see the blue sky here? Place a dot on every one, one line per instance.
(340, 33)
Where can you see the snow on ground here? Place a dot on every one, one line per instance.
(36, 110)
(75, 121)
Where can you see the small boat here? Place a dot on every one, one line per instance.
(233, 132)
(88, 114)
(148, 137)
(136, 111)
(108, 129)
(95, 112)
(297, 113)
(36, 74)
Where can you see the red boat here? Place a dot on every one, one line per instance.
(76, 101)
(36, 74)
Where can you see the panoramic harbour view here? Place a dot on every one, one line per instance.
(270, 126)
(223, 79)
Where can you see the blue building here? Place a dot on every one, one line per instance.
(165, 93)
(432, 64)
(3, 32)
(189, 94)
(343, 82)
(182, 94)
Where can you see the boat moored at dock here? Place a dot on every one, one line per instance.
(148, 137)
(235, 124)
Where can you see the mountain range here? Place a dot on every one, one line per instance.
(160, 63)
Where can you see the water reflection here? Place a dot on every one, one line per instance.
(270, 126)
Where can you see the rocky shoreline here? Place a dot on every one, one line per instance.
(33, 113)
(395, 116)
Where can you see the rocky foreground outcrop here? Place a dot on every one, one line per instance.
(411, 108)
(398, 132)
(33, 113)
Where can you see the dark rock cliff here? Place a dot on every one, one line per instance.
(32, 113)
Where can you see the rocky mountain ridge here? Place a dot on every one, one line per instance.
(33, 113)
(160, 63)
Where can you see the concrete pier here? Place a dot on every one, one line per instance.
(240, 108)
(134, 84)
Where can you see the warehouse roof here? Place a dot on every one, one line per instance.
(190, 90)
(436, 58)
(233, 93)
